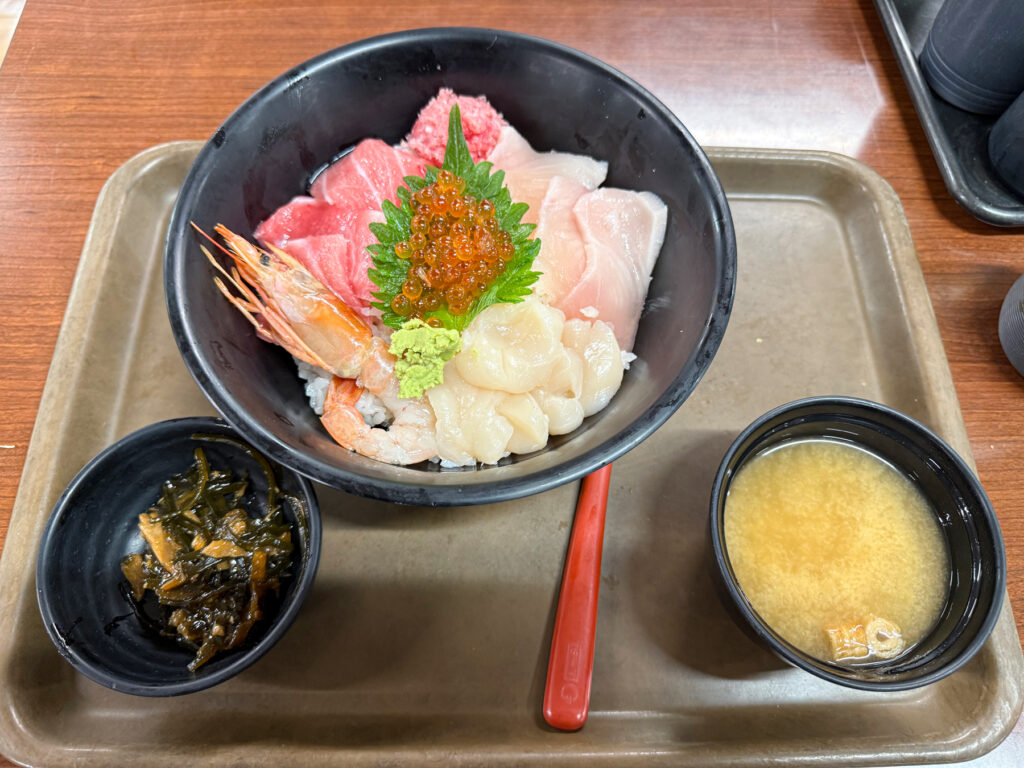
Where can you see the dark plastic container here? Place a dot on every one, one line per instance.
(83, 596)
(974, 55)
(1006, 144)
(965, 516)
(958, 138)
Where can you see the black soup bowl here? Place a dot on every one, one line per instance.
(84, 598)
(966, 519)
(559, 99)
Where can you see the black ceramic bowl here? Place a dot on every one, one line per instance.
(82, 593)
(965, 516)
(558, 98)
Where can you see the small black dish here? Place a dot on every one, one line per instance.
(966, 518)
(558, 98)
(83, 596)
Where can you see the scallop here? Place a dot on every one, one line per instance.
(559, 398)
(469, 427)
(513, 348)
(564, 414)
(595, 343)
(529, 423)
(523, 374)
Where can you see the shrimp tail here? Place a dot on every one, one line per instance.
(340, 412)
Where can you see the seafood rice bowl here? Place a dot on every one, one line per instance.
(487, 281)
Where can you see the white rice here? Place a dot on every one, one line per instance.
(373, 409)
(448, 464)
(317, 380)
(445, 463)
(627, 358)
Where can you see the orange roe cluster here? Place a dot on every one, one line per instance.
(456, 250)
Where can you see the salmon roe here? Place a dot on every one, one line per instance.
(456, 250)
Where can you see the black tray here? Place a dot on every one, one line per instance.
(959, 139)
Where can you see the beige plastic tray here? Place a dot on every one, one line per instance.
(425, 639)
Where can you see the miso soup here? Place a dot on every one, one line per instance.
(836, 550)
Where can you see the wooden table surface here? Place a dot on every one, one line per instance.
(87, 85)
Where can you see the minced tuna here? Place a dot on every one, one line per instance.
(481, 123)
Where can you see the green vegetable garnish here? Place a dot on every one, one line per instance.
(422, 352)
(413, 282)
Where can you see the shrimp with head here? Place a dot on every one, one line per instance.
(288, 306)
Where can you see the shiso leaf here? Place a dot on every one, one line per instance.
(389, 272)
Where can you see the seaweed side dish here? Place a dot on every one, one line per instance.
(210, 561)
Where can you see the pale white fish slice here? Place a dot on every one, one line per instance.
(622, 235)
(633, 222)
(562, 258)
(528, 173)
(608, 284)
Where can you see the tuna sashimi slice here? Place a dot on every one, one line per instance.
(329, 232)
(340, 261)
(367, 176)
(622, 234)
(305, 216)
(481, 125)
(528, 173)
(562, 257)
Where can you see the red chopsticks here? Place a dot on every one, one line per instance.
(567, 691)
